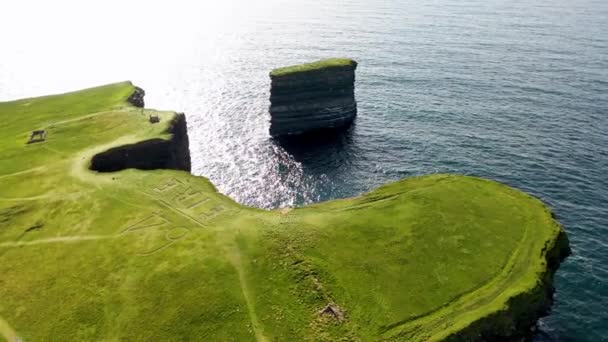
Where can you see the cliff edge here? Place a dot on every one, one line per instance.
(312, 97)
(160, 254)
(172, 153)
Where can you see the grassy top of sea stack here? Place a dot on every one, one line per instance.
(161, 255)
(314, 66)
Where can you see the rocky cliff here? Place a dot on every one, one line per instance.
(137, 98)
(312, 97)
(517, 321)
(150, 154)
(430, 258)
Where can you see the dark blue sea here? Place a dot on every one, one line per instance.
(515, 91)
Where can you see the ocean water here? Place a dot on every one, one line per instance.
(515, 91)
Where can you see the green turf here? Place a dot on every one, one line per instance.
(319, 65)
(161, 255)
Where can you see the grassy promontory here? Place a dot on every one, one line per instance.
(161, 255)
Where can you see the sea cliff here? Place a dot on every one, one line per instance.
(152, 154)
(312, 97)
(132, 254)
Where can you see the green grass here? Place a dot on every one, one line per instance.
(318, 65)
(161, 255)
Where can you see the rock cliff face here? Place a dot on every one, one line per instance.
(150, 154)
(137, 98)
(312, 97)
(518, 319)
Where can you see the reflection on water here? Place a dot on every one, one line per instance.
(511, 90)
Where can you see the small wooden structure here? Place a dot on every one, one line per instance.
(334, 311)
(37, 136)
(154, 119)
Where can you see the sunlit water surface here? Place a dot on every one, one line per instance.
(516, 91)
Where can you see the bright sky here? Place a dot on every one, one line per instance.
(85, 43)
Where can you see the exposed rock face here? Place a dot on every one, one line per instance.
(150, 154)
(137, 98)
(312, 99)
(517, 321)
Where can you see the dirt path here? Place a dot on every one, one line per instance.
(21, 199)
(80, 169)
(235, 257)
(83, 117)
(433, 323)
(64, 239)
(7, 332)
(35, 169)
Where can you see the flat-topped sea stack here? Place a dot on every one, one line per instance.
(312, 97)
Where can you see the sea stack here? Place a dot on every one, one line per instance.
(312, 97)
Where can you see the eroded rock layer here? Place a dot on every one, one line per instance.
(137, 98)
(152, 154)
(311, 100)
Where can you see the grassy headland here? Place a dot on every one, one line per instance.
(161, 255)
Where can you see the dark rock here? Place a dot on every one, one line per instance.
(310, 100)
(137, 98)
(150, 154)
